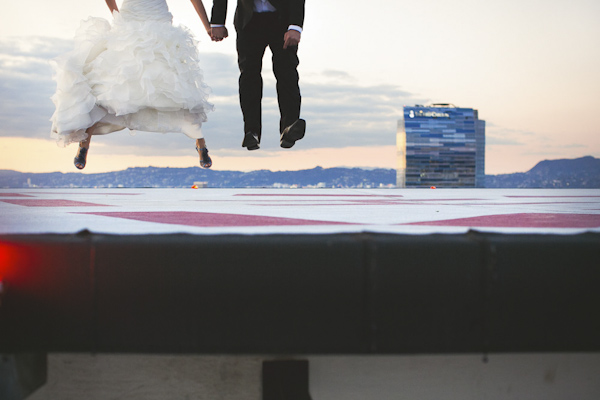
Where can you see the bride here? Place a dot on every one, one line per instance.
(140, 72)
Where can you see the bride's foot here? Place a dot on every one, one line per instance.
(205, 160)
(81, 157)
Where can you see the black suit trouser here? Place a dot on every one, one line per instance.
(265, 29)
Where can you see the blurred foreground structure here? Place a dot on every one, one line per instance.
(299, 294)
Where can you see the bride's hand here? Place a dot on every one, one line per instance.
(218, 33)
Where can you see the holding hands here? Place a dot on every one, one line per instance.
(291, 37)
(218, 33)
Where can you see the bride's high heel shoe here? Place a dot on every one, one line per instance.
(81, 157)
(205, 160)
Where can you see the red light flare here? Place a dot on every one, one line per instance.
(14, 262)
(8, 261)
(8, 256)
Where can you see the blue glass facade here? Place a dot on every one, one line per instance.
(440, 145)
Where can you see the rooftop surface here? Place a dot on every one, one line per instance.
(299, 211)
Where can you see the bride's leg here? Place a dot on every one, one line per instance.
(195, 132)
(205, 160)
(84, 145)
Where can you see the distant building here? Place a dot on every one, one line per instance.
(440, 145)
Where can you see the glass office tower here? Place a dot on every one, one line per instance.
(440, 145)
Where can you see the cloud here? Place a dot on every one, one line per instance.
(339, 113)
(496, 135)
(26, 85)
(43, 48)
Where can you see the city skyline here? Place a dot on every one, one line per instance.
(530, 68)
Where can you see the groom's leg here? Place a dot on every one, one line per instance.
(251, 45)
(285, 68)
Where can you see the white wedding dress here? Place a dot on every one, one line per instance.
(140, 72)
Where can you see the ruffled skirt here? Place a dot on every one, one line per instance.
(141, 75)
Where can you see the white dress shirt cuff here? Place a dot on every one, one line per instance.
(216, 26)
(295, 27)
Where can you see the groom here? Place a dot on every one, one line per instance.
(262, 23)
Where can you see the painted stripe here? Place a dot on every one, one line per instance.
(52, 203)
(311, 195)
(524, 220)
(200, 219)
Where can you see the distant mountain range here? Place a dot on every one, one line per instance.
(575, 173)
(186, 177)
(568, 173)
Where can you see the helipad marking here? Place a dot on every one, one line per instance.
(52, 203)
(310, 195)
(341, 203)
(547, 203)
(14, 195)
(405, 202)
(524, 220)
(548, 197)
(201, 219)
(88, 193)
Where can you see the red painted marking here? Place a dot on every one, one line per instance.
(88, 193)
(314, 195)
(548, 203)
(14, 195)
(444, 199)
(525, 220)
(52, 203)
(542, 197)
(345, 203)
(400, 202)
(201, 219)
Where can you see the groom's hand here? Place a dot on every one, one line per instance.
(291, 38)
(218, 33)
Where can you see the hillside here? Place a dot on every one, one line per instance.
(565, 173)
(575, 173)
(186, 177)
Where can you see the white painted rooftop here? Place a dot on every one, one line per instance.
(298, 211)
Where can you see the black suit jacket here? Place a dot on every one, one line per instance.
(291, 12)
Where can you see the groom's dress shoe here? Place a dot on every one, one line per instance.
(292, 133)
(251, 141)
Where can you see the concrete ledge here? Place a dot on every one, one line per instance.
(300, 294)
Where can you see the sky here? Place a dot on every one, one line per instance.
(529, 66)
